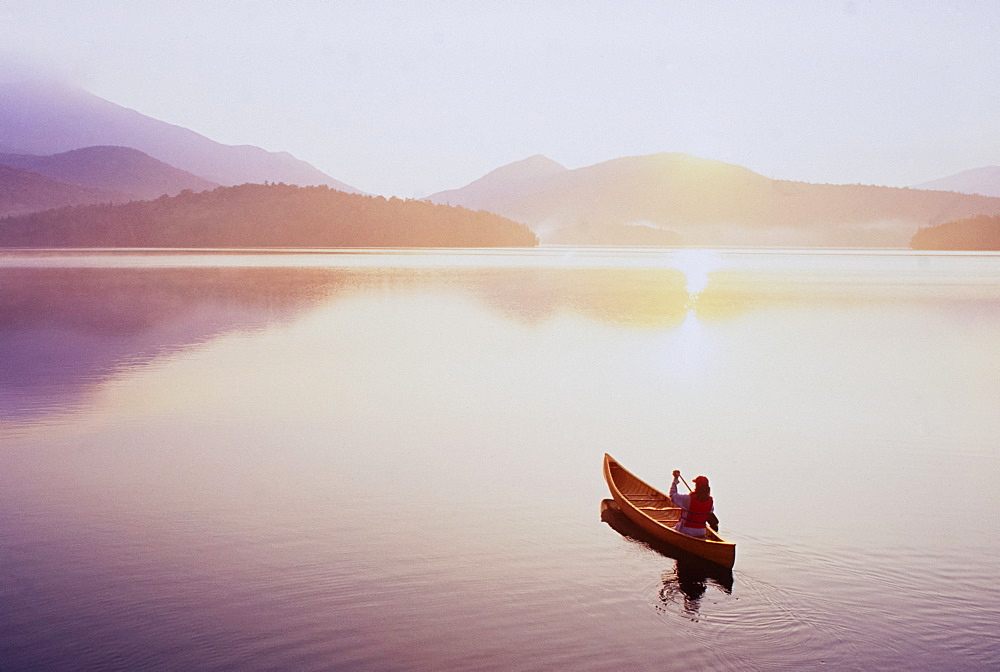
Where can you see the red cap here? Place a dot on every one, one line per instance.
(701, 480)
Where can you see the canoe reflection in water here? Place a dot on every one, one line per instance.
(688, 582)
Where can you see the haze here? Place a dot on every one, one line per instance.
(409, 98)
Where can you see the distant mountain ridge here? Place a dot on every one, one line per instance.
(122, 170)
(46, 118)
(62, 146)
(23, 191)
(705, 202)
(502, 185)
(984, 181)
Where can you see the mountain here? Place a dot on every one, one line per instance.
(118, 169)
(495, 189)
(708, 202)
(22, 191)
(974, 233)
(984, 181)
(260, 216)
(49, 118)
(628, 235)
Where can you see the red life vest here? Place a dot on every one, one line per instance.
(697, 515)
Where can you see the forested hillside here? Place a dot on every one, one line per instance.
(973, 233)
(275, 215)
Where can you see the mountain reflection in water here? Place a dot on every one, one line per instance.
(64, 329)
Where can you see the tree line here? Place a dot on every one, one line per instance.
(265, 215)
(973, 233)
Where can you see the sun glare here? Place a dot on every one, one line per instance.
(696, 266)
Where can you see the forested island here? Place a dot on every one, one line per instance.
(973, 233)
(265, 215)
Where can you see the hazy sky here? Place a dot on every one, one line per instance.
(409, 98)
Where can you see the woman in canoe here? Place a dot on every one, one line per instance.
(698, 507)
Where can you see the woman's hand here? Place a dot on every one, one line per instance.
(677, 473)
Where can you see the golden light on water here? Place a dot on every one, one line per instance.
(696, 266)
(691, 348)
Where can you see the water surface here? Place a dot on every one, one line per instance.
(391, 461)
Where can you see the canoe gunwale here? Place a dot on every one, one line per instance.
(717, 550)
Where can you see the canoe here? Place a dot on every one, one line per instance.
(653, 511)
(691, 572)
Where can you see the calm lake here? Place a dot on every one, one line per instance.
(392, 461)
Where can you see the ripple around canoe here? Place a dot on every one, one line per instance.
(868, 601)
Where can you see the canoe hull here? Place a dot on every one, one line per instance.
(653, 511)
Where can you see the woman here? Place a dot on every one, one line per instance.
(698, 507)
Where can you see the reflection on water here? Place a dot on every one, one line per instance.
(375, 461)
(685, 584)
(696, 265)
(63, 329)
(68, 319)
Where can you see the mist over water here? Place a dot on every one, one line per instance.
(374, 461)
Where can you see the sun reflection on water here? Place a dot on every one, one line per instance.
(696, 266)
(692, 347)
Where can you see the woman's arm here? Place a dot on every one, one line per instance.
(673, 486)
(678, 500)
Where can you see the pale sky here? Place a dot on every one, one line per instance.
(409, 98)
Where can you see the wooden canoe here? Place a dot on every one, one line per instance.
(653, 511)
